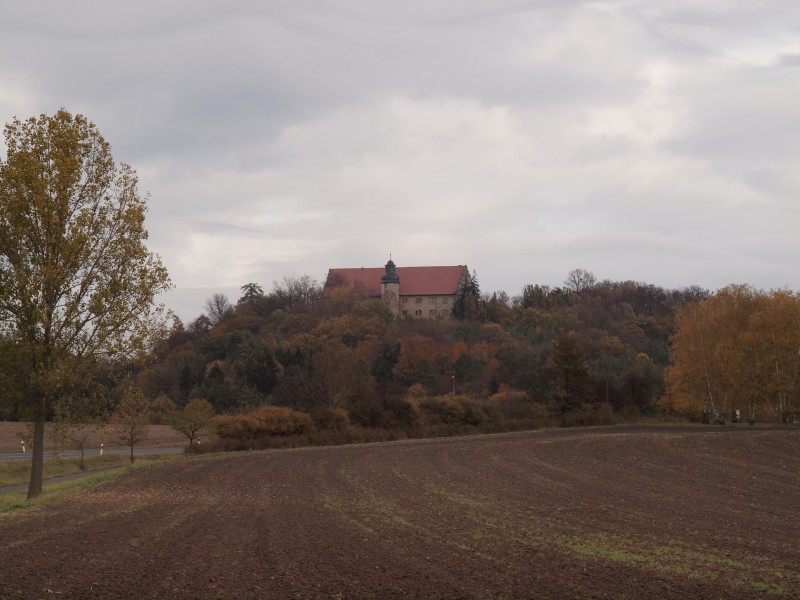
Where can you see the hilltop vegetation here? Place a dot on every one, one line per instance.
(291, 363)
(550, 355)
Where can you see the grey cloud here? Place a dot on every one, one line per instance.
(647, 140)
(790, 60)
(743, 117)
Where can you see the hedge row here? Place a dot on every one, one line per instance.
(278, 427)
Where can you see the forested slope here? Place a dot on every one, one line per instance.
(554, 349)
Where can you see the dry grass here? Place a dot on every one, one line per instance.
(12, 474)
(18, 472)
(158, 436)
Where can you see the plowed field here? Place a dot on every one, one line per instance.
(599, 513)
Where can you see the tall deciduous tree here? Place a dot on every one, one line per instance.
(296, 293)
(777, 324)
(77, 283)
(738, 349)
(714, 352)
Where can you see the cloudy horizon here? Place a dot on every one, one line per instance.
(522, 138)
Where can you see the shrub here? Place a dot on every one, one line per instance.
(279, 420)
(437, 409)
(513, 410)
(453, 411)
(512, 404)
(330, 419)
(161, 410)
(264, 422)
(417, 390)
(473, 411)
(236, 426)
(403, 413)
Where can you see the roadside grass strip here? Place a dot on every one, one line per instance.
(16, 500)
(18, 472)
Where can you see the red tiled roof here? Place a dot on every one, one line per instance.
(414, 281)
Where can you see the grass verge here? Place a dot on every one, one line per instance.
(17, 472)
(114, 465)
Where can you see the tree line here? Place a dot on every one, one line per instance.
(567, 349)
(737, 355)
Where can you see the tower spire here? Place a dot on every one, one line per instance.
(390, 286)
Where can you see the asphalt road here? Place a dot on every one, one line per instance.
(93, 452)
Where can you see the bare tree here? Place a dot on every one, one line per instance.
(579, 280)
(296, 292)
(79, 435)
(132, 416)
(217, 306)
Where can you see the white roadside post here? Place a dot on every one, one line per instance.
(101, 448)
(23, 446)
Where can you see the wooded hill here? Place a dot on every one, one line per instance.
(564, 349)
(583, 353)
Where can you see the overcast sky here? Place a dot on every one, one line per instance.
(646, 140)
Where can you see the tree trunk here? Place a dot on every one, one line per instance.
(131, 453)
(37, 456)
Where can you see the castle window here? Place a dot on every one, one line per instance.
(432, 312)
(419, 300)
(405, 312)
(418, 312)
(445, 300)
(433, 299)
(404, 300)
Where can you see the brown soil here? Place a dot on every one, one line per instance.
(158, 436)
(601, 513)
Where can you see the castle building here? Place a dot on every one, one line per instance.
(415, 292)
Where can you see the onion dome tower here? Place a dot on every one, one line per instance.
(390, 287)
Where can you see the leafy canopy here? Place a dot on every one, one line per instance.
(75, 275)
(77, 284)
